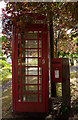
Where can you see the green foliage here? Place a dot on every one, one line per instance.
(5, 69)
(67, 54)
(77, 50)
(4, 72)
(64, 110)
(3, 39)
(1, 53)
(3, 63)
(63, 15)
(61, 54)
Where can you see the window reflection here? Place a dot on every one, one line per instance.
(39, 43)
(40, 70)
(30, 98)
(18, 43)
(29, 61)
(29, 53)
(30, 79)
(19, 71)
(30, 35)
(30, 88)
(40, 54)
(40, 34)
(19, 36)
(29, 71)
(29, 43)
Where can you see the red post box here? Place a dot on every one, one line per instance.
(60, 69)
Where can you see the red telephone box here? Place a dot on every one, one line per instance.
(30, 68)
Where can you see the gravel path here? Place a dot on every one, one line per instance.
(73, 68)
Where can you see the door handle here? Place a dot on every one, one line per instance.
(43, 61)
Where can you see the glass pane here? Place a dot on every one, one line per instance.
(19, 36)
(40, 70)
(29, 61)
(29, 71)
(19, 71)
(29, 44)
(40, 34)
(19, 55)
(39, 88)
(39, 43)
(30, 98)
(19, 99)
(30, 35)
(39, 79)
(18, 43)
(40, 98)
(30, 88)
(29, 80)
(40, 53)
(18, 61)
(29, 53)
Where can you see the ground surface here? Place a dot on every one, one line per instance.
(7, 105)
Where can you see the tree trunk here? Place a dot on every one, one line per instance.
(53, 85)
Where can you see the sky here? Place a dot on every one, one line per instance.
(2, 5)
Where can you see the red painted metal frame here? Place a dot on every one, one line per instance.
(30, 106)
(13, 68)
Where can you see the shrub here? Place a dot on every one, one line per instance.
(3, 63)
(5, 69)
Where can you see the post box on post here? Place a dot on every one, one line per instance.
(61, 73)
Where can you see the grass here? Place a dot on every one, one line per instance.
(7, 95)
(73, 84)
(8, 77)
(6, 102)
(5, 71)
(73, 74)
